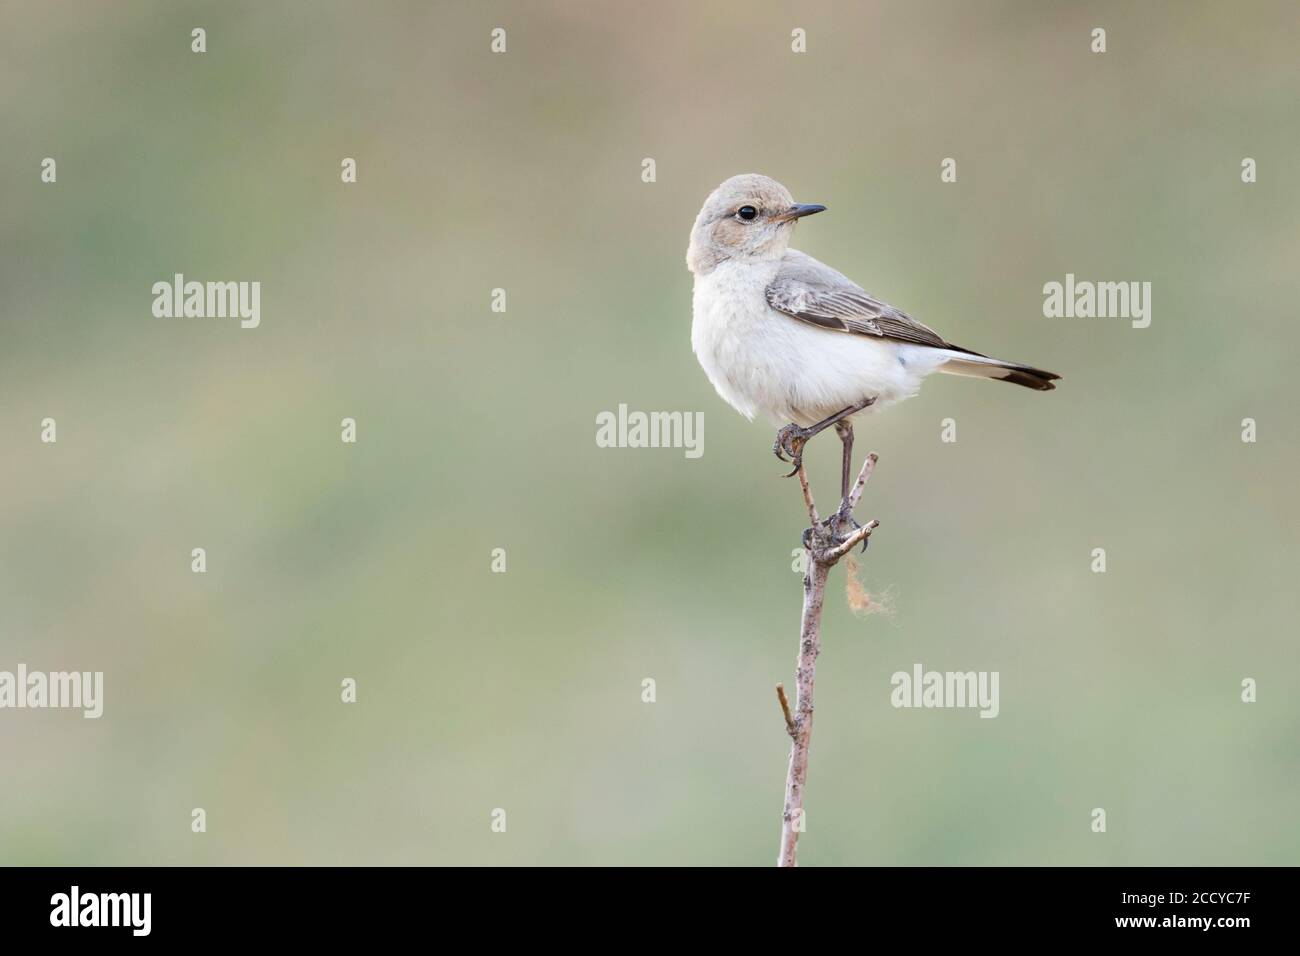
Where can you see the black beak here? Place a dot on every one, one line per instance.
(801, 209)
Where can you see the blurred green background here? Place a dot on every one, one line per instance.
(476, 431)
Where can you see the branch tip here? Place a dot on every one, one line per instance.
(868, 467)
(785, 709)
(851, 542)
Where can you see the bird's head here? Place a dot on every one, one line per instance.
(749, 217)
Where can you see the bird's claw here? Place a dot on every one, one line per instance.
(789, 442)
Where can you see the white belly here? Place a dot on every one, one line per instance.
(763, 362)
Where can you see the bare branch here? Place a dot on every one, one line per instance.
(814, 590)
(824, 551)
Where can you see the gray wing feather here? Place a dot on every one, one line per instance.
(807, 290)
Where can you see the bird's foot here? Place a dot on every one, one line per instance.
(789, 444)
(842, 524)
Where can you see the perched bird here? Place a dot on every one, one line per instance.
(781, 334)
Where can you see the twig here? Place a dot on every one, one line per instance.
(868, 467)
(808, 496)
(822, 552)
(852, 541)
(785, 709)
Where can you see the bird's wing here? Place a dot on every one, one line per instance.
(812, 292)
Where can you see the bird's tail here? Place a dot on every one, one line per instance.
(981, 366)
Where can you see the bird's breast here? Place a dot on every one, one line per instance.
(731, 334)
(764, 362)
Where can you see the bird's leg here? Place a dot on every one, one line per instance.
(791, 439)
(844, 428)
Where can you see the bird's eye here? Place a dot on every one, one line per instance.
(747, 213)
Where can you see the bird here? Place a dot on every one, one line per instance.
(780, 334)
